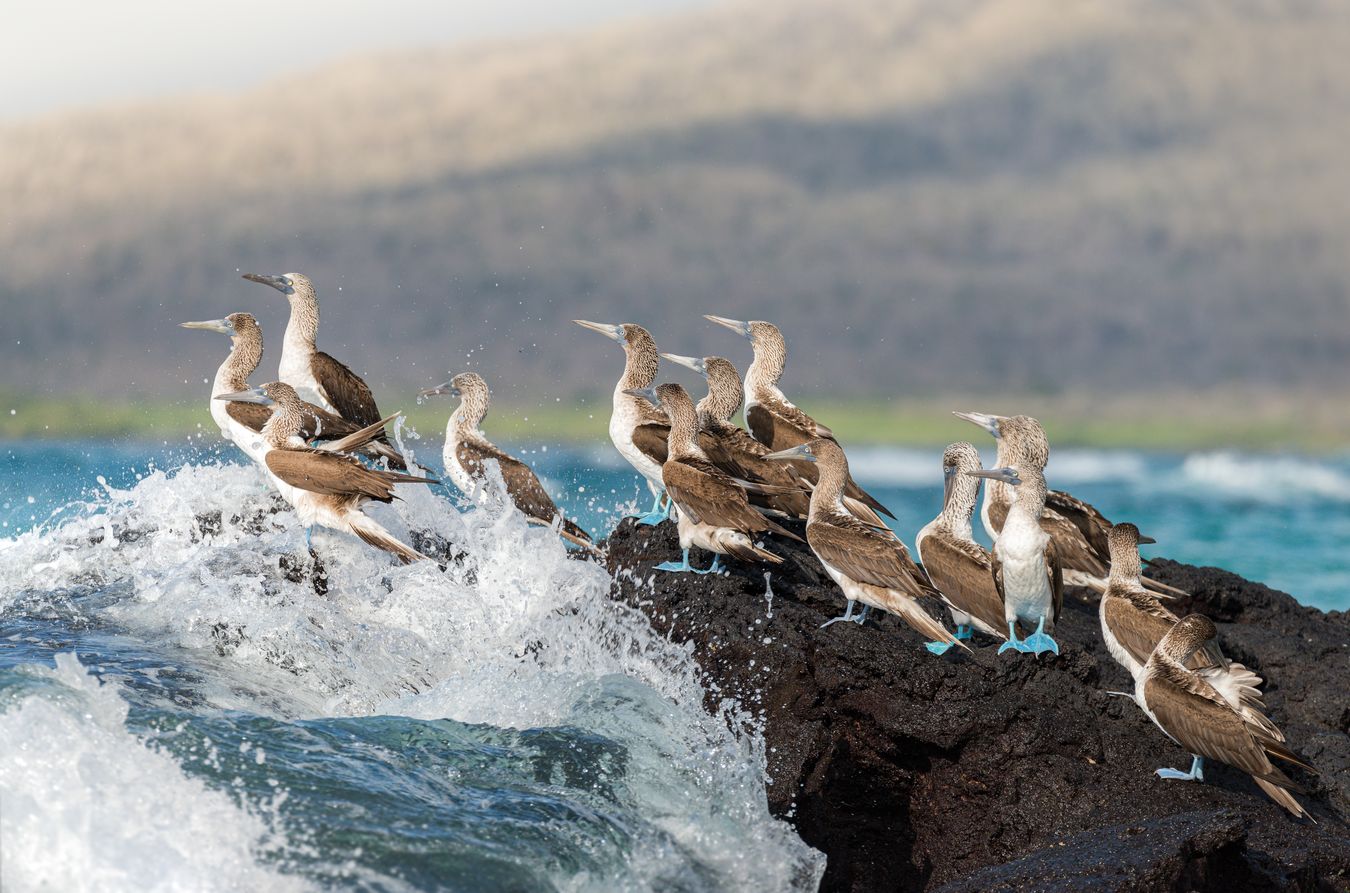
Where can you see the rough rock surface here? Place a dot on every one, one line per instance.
(974, 772)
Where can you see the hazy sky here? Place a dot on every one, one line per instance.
(57, 54)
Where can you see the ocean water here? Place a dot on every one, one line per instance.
(178, 712)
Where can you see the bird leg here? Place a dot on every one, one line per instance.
(1012, 644)
(678, 568)
(714, 568)
(847, 615)
(1197, 772)
(862, 617)
(657, 514)
(1040, 642)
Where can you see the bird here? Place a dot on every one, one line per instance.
(770, 416)
(242, 423)
(1026, 561)
(1134, 621)
(1078, 528)
(961, 569)
(713, 512)
(869, 566)
(637, 428)
(324, 486)
(1193, 714)
(316, 376)
(467, 453)
(733, 450)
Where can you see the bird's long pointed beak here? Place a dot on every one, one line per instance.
(1146, 540)
(1006, 475)
(280, 283)
(796, 452)
(252, 395)
(210, 325)
(693, 363)
(610, 331)
(740, 327)
(648, 394)
(443, 388)
(984, 420)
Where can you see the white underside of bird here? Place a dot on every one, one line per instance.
(721, 540)
(296, 370)
(621, 423)
(1026, 585)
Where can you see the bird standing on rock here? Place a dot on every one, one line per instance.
(960, 568)
(637, 428)
(869, 566)
(1078, 529)
(712, 510)
(1026, 564)
(1192, 713)
(467, 452)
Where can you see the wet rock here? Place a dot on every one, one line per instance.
(979, 772)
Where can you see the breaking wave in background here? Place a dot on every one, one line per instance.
(220, 716)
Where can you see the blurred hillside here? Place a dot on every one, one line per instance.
(928, 196)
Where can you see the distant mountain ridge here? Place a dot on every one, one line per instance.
(926, 196)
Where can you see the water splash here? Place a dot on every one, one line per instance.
(205, 564)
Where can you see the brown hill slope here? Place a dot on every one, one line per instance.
(925, 194)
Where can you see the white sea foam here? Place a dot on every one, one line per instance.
(517, 635)
(86, 805)
(1271, 479)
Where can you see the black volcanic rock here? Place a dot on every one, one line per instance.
(974, 772)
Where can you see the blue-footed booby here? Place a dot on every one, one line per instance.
(1078, 529)
(1026, 564)
(1134, 622)
(870, 566)
(738, 454)
(637, 428)
(960, 568)
(712, 510)
(772, 418)
(467, 452)
(242, 423)
(1192, 713)
(316, 376)
(324, 486)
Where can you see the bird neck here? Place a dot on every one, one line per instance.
(303, 327)
(1125, 565)
(640, 366)
(721, 402)
(245, 354)
(959, 505)
(284, 424)
(1028, 499)
(767, 367)
(828, 496)
(683, 439)
(469, 414)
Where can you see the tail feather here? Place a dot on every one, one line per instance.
(910, 611)
(381, 449)
(1274, 786)
(748, 551)
(863, 512)
(1162, 589)
(358, 439)
(372, 534)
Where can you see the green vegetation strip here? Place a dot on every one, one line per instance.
(1163, 423)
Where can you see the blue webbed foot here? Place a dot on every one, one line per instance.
(1039, 642)
(863, 615)
(964, 631)
(1197, 772)
(847, 615)
(715, 567)
(938, 647)
(1012, 644)
(652, 519)
(677, 567)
